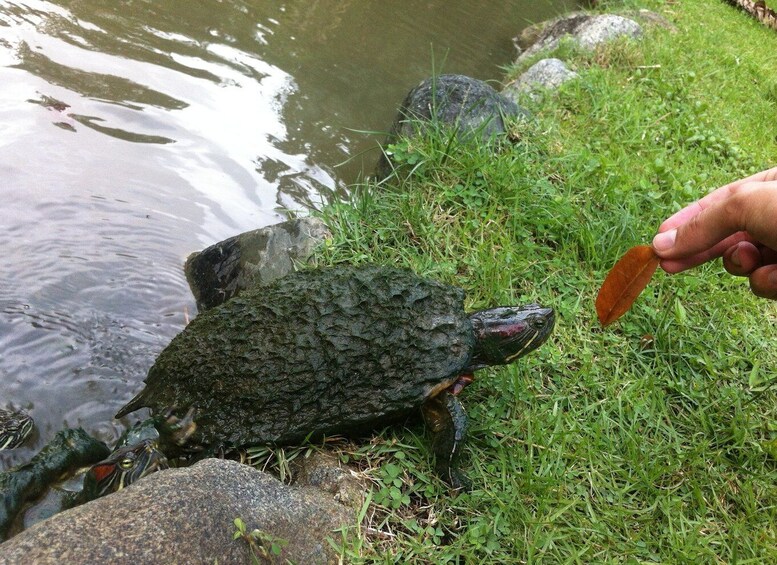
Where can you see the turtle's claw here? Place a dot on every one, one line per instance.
(182, 429)
(456, 478)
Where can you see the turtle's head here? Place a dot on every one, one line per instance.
(14, 428)
(123, 467)
(504, 334)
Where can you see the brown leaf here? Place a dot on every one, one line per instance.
(626, 280)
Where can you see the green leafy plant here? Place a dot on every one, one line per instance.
(390, 493)
(403, 153)
(264, 546)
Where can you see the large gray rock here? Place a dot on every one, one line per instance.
(546, 74)
(186, 516)
(459, 101)
(469, 106)
(587, 30)
(251, 259)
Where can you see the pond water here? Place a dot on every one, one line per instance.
(133, 133)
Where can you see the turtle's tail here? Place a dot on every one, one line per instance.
(132, 405)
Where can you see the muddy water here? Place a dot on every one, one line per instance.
(133, 133)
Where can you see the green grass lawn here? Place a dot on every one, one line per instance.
(654, 440)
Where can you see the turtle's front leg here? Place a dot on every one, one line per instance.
(445, 417)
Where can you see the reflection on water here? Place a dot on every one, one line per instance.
(133, 133)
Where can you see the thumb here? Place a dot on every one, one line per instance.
(751, 209)
(698, 235)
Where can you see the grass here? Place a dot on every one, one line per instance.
(653, 441)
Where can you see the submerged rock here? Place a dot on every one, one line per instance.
(251, 259)
(187, 516)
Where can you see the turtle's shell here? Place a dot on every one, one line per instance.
(318, 352)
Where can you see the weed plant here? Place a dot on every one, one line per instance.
(653, 441)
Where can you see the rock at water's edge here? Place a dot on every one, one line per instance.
(186, 516)
(587, 30)
(251, 259)
(468, 105)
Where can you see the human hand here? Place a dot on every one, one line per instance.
(738, 222)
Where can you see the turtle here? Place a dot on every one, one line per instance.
(338, 350)
(15, 426)
(123, 467)
(137, 453)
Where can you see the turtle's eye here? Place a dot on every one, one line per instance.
(127, 463)
(537, 322)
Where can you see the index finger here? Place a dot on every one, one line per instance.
(682, 216)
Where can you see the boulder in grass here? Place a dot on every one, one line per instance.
(468, 106)
(547, 74)
(586, 30)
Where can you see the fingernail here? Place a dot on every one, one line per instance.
(664, 241)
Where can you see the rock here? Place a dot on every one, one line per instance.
(545, 74)
(531, 34)
(587, 30)
(556, 27)
(469, 105)
(251, 259)
(186, 516)
(604, 28)
(457, 101)
(325, 472)
(648, 18)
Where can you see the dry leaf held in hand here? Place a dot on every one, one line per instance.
(626, 280)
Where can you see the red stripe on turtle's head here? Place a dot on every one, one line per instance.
(103, 470)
